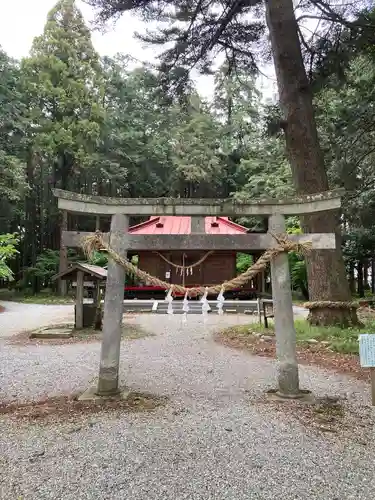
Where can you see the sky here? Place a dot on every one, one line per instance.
(22, 20)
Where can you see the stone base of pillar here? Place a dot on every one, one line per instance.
(288, 379)
(303, 395)
(91, 394)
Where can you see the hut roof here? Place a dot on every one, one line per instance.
(171, 224)
(90, 271)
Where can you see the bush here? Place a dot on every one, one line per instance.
(8, 251)
(46, 266)
(99, 259)
(244, 261)
(298, 274)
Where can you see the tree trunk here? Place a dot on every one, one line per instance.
(326, 269)
(304, 291)
(360, 287)
(63, 284)
(365, 274)
(30, 240)
(351, 278)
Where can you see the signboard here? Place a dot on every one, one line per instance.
(367, 350)
(167, 275)
(88, 284)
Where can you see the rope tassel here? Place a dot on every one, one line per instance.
(169, 299)
(185, 308)
(205, 305)
(220, 302)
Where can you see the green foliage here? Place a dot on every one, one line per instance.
(55, 98)
(243, 262)
(293, 225)
(99, 259)
(12, 172)
(8, 250)
(265, 168)
(345, 113)
(46, 296)
(297, 264)
(298, 273)
(341, 340)
(193, 33)
(359, 244)
(47, 265)
(237, 106)
(71, 120)
(195, 139)
(62, 80)
(134, 151)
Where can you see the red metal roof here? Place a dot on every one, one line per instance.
(182, 225)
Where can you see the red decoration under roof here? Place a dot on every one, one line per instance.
(182, 225)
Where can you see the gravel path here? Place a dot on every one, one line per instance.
(20, 317)
(214, 440)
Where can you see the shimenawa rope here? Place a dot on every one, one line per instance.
(180, 266)
(96, 242)
(328, 304)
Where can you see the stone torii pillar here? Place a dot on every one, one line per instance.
(113, 312)
(288, 380)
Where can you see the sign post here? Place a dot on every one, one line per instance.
(367, 358)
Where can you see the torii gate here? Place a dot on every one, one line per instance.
(120, 241)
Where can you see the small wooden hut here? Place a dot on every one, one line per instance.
(82, 273)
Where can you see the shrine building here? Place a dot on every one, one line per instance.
(192, 268)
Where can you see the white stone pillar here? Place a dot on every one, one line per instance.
(113, 312)
(288, 381)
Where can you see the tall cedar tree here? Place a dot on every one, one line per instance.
(195, 138)
(200, 29)
(12, 184)
(62, 79)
